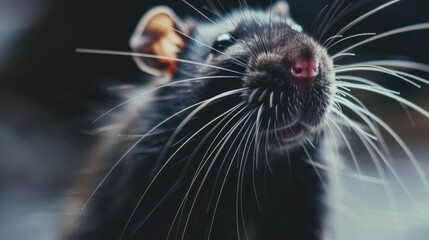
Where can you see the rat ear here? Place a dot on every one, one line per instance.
(155, 35)
(281, 9)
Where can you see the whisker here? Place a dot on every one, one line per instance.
(332, 17)
(258, 127)
(132, 147)
(387, 71)
(319, 175)
(190, 116)
(344, 78)
(199, 42)
(145, 55)
(385, 160)
(329, 38)
(205, 103)
(230, 35)
(354, 125)
(239, 193)
(246, 118)
(396, 214)
(369, 122)
(316, 20)
(160, 87)
(327, 17)
(250, 50)
(267, 162)
(199, 168)
(347, 38)
(228, 170)
(343, 55)
(366, 87)
(366, 15)
(400, 64)
(360, 177)
(396, 137)
(222, 143)
(415, 27)
(374, 158)
(214, 9)
(392, 96)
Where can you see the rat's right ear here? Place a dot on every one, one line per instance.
(155, 35)
(281, 9)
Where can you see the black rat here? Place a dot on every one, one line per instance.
(228, 137)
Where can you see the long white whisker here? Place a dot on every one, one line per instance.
(371, 123)
(327, 18)
(190, 116)
(223, 141)
(244, 155)
(316, 170)
(348, 146)
(132, 147)
(316, 20)
(392, 96)
(347, 174)
(349, 37)
(416, 27)
(205, 16)
(189, 137)
(201, 165)
(133, 54)
(374, 157)
(159, 87)
(330, 38)
(203, 103)
(199, 42)
(228, 170)
(220, 147)
(366, 81)
(400, 64)
(373, 68)
(349, 85)
(395, 136)
(342, 55)
(359, 19)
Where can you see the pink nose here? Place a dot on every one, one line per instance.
(305, 69)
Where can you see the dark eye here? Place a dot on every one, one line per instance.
(222, 42)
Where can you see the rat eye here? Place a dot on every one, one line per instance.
(222, 42)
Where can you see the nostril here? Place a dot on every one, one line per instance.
(299, 68)
(305, 69)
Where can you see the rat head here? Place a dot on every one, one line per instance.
(284, 76)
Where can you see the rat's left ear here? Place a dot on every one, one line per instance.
(155, 35)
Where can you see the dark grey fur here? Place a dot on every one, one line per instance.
(291, 197)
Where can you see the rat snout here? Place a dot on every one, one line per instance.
(305, 69)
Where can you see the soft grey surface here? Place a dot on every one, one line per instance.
(363, 210)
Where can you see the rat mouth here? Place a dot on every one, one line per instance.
(291, 132)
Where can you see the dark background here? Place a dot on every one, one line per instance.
(49, 94)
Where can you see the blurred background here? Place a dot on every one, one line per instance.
(49, 95)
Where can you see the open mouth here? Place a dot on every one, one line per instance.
(291, 132)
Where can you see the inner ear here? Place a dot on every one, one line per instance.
(280, 9)
(157, 34)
